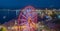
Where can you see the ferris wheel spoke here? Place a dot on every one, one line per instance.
(24, 16)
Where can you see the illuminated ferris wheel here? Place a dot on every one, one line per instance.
(26, 14)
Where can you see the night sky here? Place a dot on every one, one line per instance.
(13, 4)
(18, 4)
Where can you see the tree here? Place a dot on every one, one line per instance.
(0, 29)
(3, 29)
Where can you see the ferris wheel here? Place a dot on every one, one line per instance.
(26, 14)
